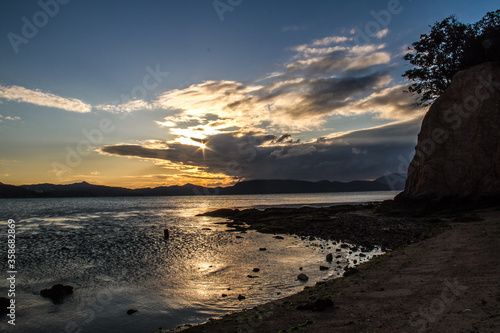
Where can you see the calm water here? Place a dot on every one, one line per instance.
(111, 250)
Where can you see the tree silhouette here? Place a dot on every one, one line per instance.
(449, 47)
(485, 46)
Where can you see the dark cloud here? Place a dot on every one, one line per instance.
(399, 132)
(321, 96)
(362, 154)
(314, 61)
(326, 95)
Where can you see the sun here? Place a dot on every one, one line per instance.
(203, 146)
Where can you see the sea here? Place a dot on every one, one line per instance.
(112, 251)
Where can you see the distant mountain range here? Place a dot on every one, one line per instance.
(393, 182)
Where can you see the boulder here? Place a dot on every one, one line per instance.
(131, 311)
(458, 149)
(302, 277)
(329, 257)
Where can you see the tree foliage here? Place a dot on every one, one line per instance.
(449, 47)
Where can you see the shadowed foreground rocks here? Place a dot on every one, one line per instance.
(353, 224)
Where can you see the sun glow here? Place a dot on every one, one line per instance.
(189, 141)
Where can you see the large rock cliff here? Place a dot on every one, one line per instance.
(458, 149)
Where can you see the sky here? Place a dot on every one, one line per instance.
(160, 93)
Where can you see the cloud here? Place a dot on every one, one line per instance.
(382, 33)
(229, 130)
(2, 118)
(354, 155)
(38, 97)
(225, 106)
(321, 79)
(357, 151)
(399, 131)
(312, 60)
(130, 106)
(331, 40)
(391, 103)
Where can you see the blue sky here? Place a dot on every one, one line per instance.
(209, 92)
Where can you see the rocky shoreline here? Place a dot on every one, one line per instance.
(396, 292)
(361, 225)
(355, 224)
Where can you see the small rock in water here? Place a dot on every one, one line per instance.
(344, 246)
(57, 292)
(240, 297)
(329, 257)
(239, 236)
(224, 295)
(278, 237)
(302, 277)
(362, 255)
(262, 249)
(166, 234)
(131, 311)
(252, 276)
(256, 270)
(300, 268)
(323, 268)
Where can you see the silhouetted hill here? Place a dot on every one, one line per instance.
(11, 191)
(262, 186)
(82, 189)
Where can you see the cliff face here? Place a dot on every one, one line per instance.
(458, 149)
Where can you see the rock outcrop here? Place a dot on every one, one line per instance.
(458, 150)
